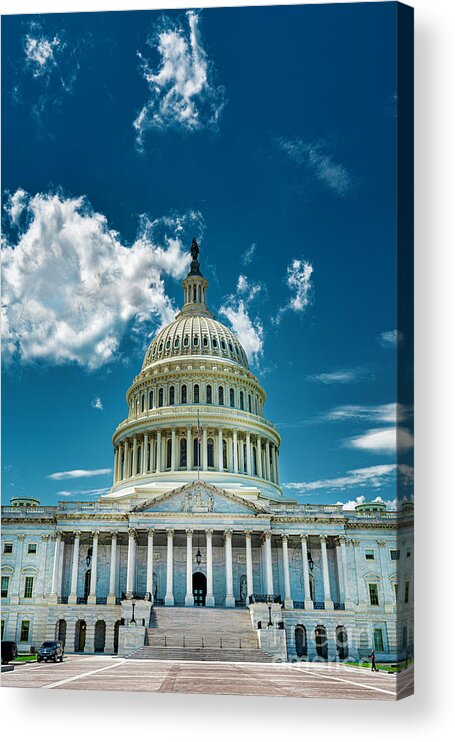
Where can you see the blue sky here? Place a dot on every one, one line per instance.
(267, 133)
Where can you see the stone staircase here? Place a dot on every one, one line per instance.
(207, 634)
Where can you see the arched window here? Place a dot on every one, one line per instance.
(220, 395)
(100, 636)
(160, 397)
(196, 454)
(210, 456)
(183, 452)
(196, 394)
(241, 401)
(231, 398)
(301, 645)
(320, 635)
(143, 403)
(224, 454)
(183, 394)
(176, 342)
(342, 642)
(151, 399)
(249, 403)
(169, 453)
(194, 293)
(205, 341)
(186, 341)
(196, 340)
(209, 394)
(172, 395)
(139, 459)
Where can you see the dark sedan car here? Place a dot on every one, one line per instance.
(9, 652)
(50, 651)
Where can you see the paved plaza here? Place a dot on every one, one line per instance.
(300, 680)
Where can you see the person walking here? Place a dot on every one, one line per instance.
(373, 661)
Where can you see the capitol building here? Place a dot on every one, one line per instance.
(195, 553)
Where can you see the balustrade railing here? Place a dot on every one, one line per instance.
(319, 605)
(258, 598)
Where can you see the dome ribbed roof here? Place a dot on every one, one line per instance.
(195, 332)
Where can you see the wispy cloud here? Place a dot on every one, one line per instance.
(71, 286)
(97, 403)
(183, 92)
(236, 309)
(78, 473)
(86, 493)
(383, 440)
(389, 339)
(339, 376)
(249, 254)
(319, 163)
(383, 413)
(373, 477)
(299, 281)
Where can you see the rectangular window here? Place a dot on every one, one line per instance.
(406, 591)
(28, 589)
(7, 548)
(25, 631)
(31, 549)
(5, 585)
(395, 587)
(408, 553)
(374, 595)
(378, 640)
(369, 553)
(394, 554)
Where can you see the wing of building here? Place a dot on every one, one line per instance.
(194, 553)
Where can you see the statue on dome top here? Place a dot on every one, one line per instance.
(194, 249)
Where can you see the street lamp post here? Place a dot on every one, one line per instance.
(270, 623)
(133, 620)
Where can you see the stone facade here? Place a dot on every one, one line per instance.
(196, 516)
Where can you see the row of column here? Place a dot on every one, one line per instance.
(189, 599)
(250, 454)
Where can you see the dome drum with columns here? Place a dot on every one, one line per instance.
(195, 375)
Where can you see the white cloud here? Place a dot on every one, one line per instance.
(87, 493)
(371, 476)
(250, 332)
(78, 473)
(39, 53)
(182, 92)
(97, 403)
(383, 440)
(71, 287)
(389, 339)
(385, 413)
(298, 280)
(340, 376)
(248, 255)
(314, 158)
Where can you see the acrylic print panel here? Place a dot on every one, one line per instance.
(210, 211)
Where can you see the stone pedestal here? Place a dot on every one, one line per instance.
(111, 599)
(273, 641)
(130, 638)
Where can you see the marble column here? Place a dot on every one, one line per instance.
(277, 468)
(235, 452)
(387, 589)
(126, 462)
(72, 598)
(306, 574)
(112, 569)
(16, 581)
(248, 453)
(149, 576)
(152, 453)
(267, 460)
(189, 449)
(328, 603)
(158, 452)
(220, 449)
(169, 597)
(189, 597)
(230, 600)
(268, 562)
(145, 454)
(249, 567)
(272, 464)
(209, 598)
(242, 457)
(288, 602)
(131, 564)
(54, 585)
(115, 465)
(134, 470)
(340, 572)
(173, 448)
(259, 457)
(42, 589)
(94, 568)
(204, 449)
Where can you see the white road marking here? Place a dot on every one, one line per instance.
(349, 682)
(84, 675)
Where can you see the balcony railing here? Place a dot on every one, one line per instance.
(136, 596)
(319, 605)
(258, 598)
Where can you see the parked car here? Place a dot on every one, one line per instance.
(9, 652)
(50, 651)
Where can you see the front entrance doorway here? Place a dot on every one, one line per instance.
(199, 588)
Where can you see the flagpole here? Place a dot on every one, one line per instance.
(198, 444)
